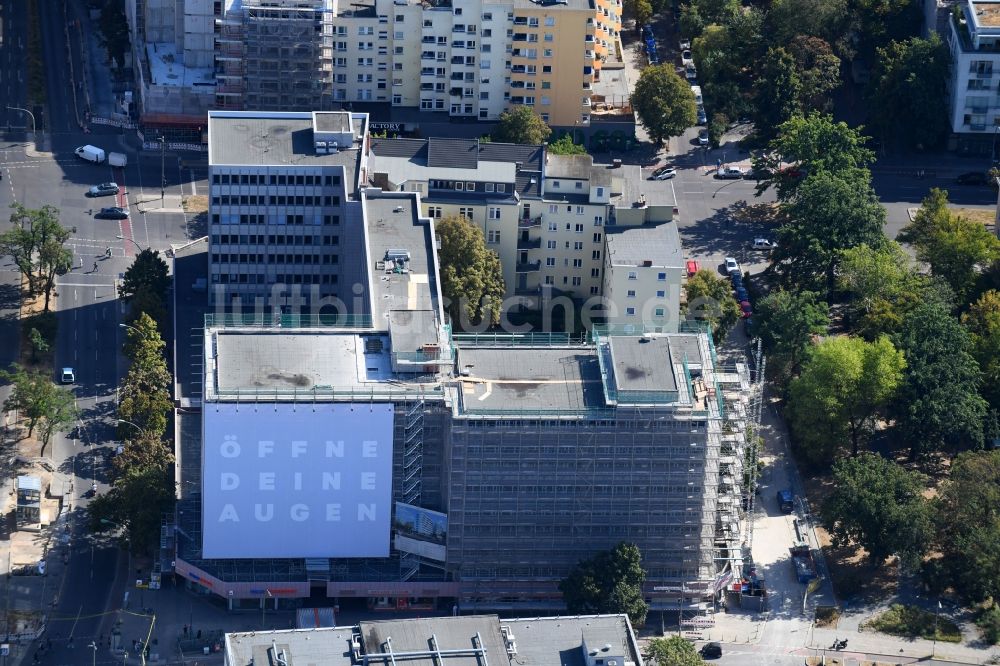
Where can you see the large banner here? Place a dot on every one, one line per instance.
(297, 480)
(420, 531)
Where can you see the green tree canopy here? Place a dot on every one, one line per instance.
(938, 405)
(968, 525)
(144, 395)
(878, 505)
(664, 102)
(471, 275)
(609, 582)
(564, 146)
(520, 124)
(828, 214)
(36, 243)
(786, 322)
(778, 90)
(673, 651)
(147, 273)
(845, 385)
(908, 96)
(46, 406)
(983, 323)
(709, 298)
(958, 249)
(814, 144)
(819, 71)
(142, 491)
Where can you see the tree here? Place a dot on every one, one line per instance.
(813, 144)
(471, 276)
(878, 505)
(709, 298)
(564, 146)
(717, 128)
(147, 273)
(47, 407)
(664, 102)
(828, 214)
(957, 249)
(673, 651)
(36, 242)
(691, 24)
(983, 323)
(520, 124)
(968, 525)
(643, 12)
(39, 345)
(786, 322)
(777, 91)
(908, 95)
(142, 492)
(938, 405)
(819, 71)
(609, 582)
(114, 32)
(788, 19)
(144, 396)
(845, 385)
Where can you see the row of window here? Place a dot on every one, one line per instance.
(634, 275)
(466, 186)
(274, 200)
(273, 239)
(589, 428)
(269, 258)
(279, 278)
(274, 218)
(273, 179)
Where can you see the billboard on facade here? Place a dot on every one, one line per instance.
(420, 531)
(296, 480)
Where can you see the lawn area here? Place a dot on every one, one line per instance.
(986, 217)
(913, 622)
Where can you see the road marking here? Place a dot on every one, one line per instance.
(73, 628)
(107, 283)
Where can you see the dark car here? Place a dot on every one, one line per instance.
(711, 650)
(973, 178)
(786, 501)
(111, 214)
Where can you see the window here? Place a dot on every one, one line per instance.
(397, 99)
(597, 237)
(578, 245)
(434, 211)
(501, 187)
(545, 100)
(595, 272)
(466, 212)
(470, 187)
(576, 282)
(553, 226)
(595, 255)
(551, 245)
(579, 209)
(600, 191)
(494, 213)
(661, 294)
(493, 236)
(632, 275)
(549, 279)
(598, 220)
(630, 293)
(550, 21)
(579, 228)
(578, 263)
(550, 261)
(630, 312)
(662, 277)
(594, 291)
(546, 53)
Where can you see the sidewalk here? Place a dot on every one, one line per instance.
(916, 648)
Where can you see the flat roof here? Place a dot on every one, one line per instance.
(249, 138)
(987, 13)
(659, 244)
(633, 188)
(530, 378)
(642, 364)
(166, 68)
(474, 639)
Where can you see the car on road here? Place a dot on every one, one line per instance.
(692, 267)
(686, 58)
(764, 244)
(113, 213)
(702, 118)
(711, 650)
(103, 189)
(67, 376)
(690, 73)
(664, 173)
(702, 137)
(973, 178)
(729, 173)
(732, 266)
(786, 501)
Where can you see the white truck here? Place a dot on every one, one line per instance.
(91, 154)
(117, 159)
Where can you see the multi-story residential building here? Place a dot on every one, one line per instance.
(283, 202)
(467, 58)
(974, 39)
(642, 276)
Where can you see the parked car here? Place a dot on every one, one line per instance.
(764, 244)
(690, 73)
(702, 118)
(692, 268)
(664, 173)
(711, 650)
(973, 178)
(786, 501)
(729, 173)
(103, 189)
(746, 309)
(686, 58)
(114, 213)
(732, 266)
(702, 137)
(67, 376)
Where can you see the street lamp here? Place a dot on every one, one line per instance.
(163, 169)
(128, 537)
(93, 646)
(137, 427)
(17, 108)
(122, 238)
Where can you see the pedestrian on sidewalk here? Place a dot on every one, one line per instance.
(95, 268)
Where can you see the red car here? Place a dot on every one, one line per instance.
(692, 268)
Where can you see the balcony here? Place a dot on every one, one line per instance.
(529, 222)
(529, 243)
(528, 267)
(455, 92)
(517, 69)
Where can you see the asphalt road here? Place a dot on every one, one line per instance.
(13, 28)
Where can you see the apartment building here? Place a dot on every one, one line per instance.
(642, 276)
(974, 40)
(282, 199)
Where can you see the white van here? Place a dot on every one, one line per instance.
(696, 90)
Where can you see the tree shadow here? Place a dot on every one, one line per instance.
(197, 225)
